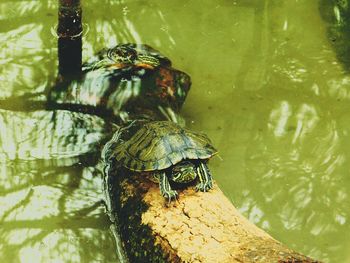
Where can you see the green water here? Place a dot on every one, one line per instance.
(267, 88)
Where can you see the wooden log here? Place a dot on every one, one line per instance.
(199, 227)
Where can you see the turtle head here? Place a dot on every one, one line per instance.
(132, 55)
(184, 172)
(122, 54)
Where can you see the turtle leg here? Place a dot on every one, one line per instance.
(165, 188)
(205, 178)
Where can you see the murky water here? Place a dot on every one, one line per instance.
(267, 88)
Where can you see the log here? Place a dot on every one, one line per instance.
(199, 227)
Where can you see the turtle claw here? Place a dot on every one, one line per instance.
(204, 186)
(171, 195)
(205, 179)
(165, 189)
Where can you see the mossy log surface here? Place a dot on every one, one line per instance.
(199, 227)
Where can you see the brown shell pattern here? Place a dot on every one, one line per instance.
(161, 144)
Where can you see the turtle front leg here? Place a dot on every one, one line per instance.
(165, 188)
(205, 178)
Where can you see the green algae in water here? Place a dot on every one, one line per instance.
(268, 88)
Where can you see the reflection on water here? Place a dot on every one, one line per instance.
(51, 202)
(49, 135)
(52, 214)
(267, 88)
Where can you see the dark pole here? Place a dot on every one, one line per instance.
(69, 32)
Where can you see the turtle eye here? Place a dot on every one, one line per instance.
(132, 54)
(127, 53)
(119, 54)
(113, 54)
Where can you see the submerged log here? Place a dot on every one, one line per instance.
(199, 227)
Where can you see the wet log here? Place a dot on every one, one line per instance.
(199, 227)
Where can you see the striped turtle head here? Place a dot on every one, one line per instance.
(137, 55)
(122, 54)
(183, 172)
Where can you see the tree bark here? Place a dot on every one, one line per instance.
(199, 227)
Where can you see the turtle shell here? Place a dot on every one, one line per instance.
(158, 145)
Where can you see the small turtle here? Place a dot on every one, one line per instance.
(166, 152)
(126, 56)
(139, 55)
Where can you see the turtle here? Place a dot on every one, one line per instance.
(128, 57)
(165, 152)
(139, 55)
